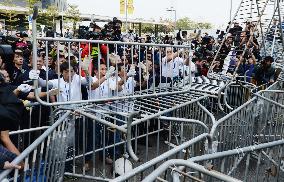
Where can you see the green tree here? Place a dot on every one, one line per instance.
(10, 14)
(205, 25)
(30, 4)
(187, 24)
(147, 28)
(47, 16)
(73, 14)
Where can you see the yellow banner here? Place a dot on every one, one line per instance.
(130, 7)
(122, 6)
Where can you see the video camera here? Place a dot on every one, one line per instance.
(86, 32)
(111, 31)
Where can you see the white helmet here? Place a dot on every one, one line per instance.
(122, 165)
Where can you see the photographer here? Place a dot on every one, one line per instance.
(117, 24)
(236, 33)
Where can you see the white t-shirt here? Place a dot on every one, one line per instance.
(186, 69)
(106, 89)
(171, 68)
(127, 89)
(66, 93)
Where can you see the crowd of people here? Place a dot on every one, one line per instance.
(109, 70)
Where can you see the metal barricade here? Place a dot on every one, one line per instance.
(236, 94)
(235, 129)
(161, 80)
(263, 162)
(35, 120)
(241, 140)
(136, 131)
(278, 85)
(141, 108)
(130, 70)
(44, 159)
(183, 151)
(106, 127)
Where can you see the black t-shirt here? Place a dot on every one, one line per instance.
(16, 75)
(11, 108)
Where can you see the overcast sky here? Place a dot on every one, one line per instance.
(216, 12)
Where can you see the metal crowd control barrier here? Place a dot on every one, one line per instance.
(164, 117)
(182, 150)
(255, 121)
(193, 167)
(162, 82)
(160, 124)
(44, 159)
(34, 122)
(240, 140)
(263, 162)
(157, 68)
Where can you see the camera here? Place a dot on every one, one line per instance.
(83, 32)
(110, 31)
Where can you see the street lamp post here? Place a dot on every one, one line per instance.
(171, 9)
(231, 8)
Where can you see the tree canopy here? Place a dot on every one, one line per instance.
(48, 16)
(11, 14)
(183, 23)
(73, 14)
(187, 24)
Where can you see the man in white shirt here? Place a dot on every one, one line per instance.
(102, 83)
(69, 85)
(107, 84)
(126, 87)
(170, 66)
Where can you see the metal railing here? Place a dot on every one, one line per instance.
(44, 159)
